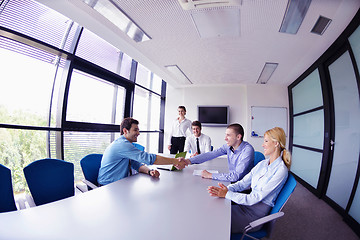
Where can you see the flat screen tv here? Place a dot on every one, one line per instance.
(217, 116)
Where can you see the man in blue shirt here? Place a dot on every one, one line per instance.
(240, 155)
(121, 154)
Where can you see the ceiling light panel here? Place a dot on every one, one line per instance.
(196, 4)
(114, 14)
(179, 74)
(217, 22)
(267, 72)
(321, 25)
(294, 15)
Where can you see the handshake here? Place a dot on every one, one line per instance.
(181, 163)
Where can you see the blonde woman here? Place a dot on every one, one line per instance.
(266, 180)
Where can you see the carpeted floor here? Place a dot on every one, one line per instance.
(308, 217)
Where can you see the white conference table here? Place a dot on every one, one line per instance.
(175, 206)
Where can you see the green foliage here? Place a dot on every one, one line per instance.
(18, 148)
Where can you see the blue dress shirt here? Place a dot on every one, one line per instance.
(266, 182)
(240, 161)
(115, 160)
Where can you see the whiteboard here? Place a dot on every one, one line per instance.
(265, 118)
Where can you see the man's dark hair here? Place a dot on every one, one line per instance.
(196, 123)
(238, 129)
(182, 107)
(126, 123)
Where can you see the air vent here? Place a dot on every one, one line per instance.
(197, 4)
(321, 25)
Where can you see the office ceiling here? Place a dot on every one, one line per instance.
(226, 59)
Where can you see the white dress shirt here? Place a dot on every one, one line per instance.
(266, 182)
(204, 143)
(179, 129)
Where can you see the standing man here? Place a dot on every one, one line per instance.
(198, 142)
(240, 155)
(178, 132)
(121, 155)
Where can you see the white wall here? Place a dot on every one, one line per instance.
(240, 98)
(265, 96)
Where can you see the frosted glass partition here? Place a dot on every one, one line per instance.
(306, 164)
(307, 94)
(309, 129)
(347, 130)
(354, 40)
(355, 206)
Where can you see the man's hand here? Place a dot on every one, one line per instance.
(206, 174)
(169, 147)
(188, 162)
(154, 173)
(218, 191)
(181, 164)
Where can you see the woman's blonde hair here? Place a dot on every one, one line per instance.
(277, 134)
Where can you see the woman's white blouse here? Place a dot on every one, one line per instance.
(266, 181)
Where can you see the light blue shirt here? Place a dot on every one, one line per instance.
(240, 161)
(115, 160)
(266, 182)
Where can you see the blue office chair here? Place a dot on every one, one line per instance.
(269, 220)
(7, 202)
(138, 146)
(50, 180)
(258, 157)
(90, 166)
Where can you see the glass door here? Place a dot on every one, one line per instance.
(346, 130)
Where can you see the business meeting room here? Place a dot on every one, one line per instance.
(180, 119)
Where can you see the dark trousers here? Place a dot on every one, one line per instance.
(177, 144)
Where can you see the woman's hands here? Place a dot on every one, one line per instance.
(218, 191)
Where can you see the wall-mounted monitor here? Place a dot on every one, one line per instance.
(216, 116)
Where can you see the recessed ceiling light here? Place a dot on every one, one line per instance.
(321, 25)
(111, 11)
(294, 15)
(179, 74)
(266, 73)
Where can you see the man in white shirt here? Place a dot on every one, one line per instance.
(198, 142)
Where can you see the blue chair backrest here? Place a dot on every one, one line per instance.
(90, 166)
(284, 194)
(138, 146)
(7, 202)
(258, 156)
(282, 198)
(50, 180)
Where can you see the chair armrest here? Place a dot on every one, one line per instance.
(89, 184)
(265, 219)
(260, 222)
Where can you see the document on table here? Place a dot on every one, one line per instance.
(198, 172)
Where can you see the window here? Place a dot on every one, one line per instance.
(26, 86)
(98, 51)
(146, 109)
(93, 103)
(34, 89)
(35, 20)
(147, 79)
(18, 148)
(79, 144)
